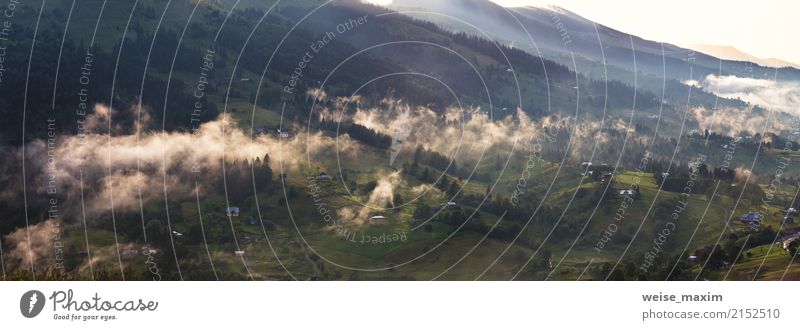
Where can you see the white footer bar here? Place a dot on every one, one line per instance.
(397, 305)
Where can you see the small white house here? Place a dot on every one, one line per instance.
(284, 134)
(238, 253)
(451, 205)
(232, 211)
(377, 220)
(692, 258)
(627, 193)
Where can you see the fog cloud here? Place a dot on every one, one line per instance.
(774, 95)
(733, 121)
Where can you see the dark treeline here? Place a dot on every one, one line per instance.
(433, 159)
(369, 136)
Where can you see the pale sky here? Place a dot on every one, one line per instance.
(761, 28)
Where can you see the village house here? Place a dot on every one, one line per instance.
(377, 220)
(232, 211)
(284, 134)
(752, 218)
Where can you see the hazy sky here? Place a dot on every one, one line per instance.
(766, 28)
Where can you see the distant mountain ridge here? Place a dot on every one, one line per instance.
(734, 54)
(562, 31)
